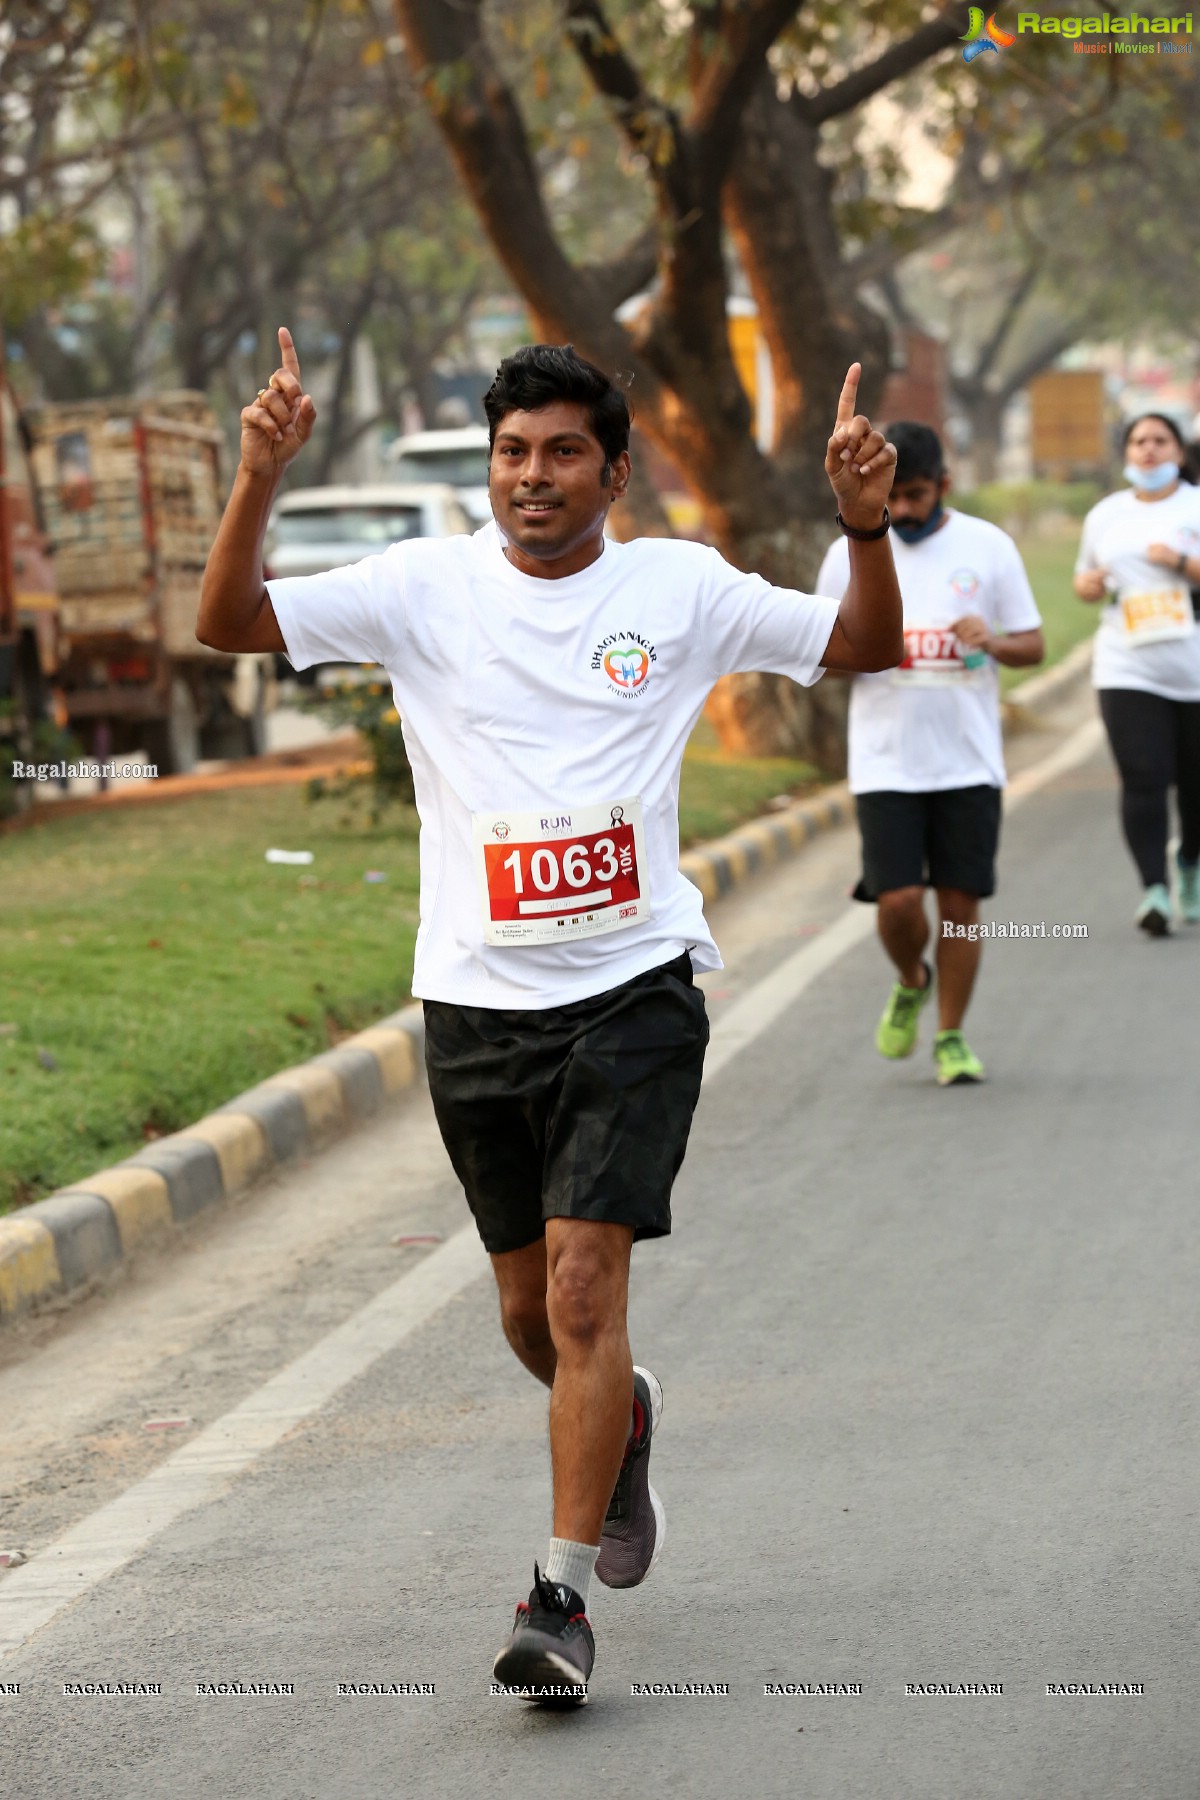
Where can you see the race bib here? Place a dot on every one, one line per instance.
(546, 877)
(1156, 614)
(933, 657)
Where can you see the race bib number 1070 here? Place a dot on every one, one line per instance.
(545, 877)
(933, 657)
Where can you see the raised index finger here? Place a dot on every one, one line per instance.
(847, 403)
(287, 351)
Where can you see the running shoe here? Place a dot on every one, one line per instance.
(955, 1060)
(1154, 914)
(635, 1526)
(896, 1033)
(549, 1657)
(1189, 890)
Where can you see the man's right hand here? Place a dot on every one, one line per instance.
(279, 422)
(1091, 584)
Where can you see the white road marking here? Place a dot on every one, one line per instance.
(199, 1472)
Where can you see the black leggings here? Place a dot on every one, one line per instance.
(1156, 743)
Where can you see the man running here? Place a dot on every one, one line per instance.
(926, 759)
(548, 679)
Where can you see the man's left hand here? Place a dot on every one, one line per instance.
(859, 461)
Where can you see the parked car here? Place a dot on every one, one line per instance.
(314, 529)
(458, 456)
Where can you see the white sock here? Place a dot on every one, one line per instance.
(571, 1565)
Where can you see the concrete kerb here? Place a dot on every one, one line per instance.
(61, 1245)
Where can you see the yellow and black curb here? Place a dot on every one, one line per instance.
(82, 1232)
(60, 1245)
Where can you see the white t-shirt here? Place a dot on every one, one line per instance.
(934, 723)
(534, 713)
(1116, 534)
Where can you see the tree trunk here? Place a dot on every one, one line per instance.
(771, 514)
(985, 416)
(641, 513)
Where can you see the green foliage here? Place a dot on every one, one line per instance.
(1022, 506)
(369, 708)
(45, 259)
(110, 917)
(50, 744)
(164, 966)
(1049, 557)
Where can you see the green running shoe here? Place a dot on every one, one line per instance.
(1154, 913)
(1189, 891)
(896, 1033)
(954, 1059)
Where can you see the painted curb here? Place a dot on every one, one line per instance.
(58, 1246)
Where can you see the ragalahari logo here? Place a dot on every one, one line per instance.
(984, 36)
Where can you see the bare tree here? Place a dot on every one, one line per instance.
(727, 147)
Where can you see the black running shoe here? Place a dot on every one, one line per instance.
(635, 1526)
(550, 1654)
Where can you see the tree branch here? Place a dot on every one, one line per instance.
(484, 131)
(628, 272)
(1037, 360)
(649, 125)
(991, 347)
(897, 60)
(728, 76)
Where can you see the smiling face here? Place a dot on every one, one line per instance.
(547, 488)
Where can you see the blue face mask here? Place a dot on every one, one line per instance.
(912, 531)
(1151, 481)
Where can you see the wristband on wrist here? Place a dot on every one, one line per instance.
(1183, 562)
(867, 537)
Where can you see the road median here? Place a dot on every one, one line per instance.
(59, 1248)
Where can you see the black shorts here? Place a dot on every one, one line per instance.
(578, 1112)
(946, 839)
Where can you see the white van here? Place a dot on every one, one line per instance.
(457, 456)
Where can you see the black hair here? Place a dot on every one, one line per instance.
(1187, 458)
(537, 375)
(919, 455)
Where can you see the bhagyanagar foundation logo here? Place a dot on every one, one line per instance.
(626, 658)
(1126, 34)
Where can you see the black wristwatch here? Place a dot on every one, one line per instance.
(867, 537)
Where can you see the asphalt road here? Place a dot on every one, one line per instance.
(930, 1367)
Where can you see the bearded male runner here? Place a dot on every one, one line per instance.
(548, 679)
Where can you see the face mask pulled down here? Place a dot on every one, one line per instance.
(1151, 481)
(913, 531)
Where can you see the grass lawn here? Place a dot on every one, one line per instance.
(163, 965)
(1049, 563)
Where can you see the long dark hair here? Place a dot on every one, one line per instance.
(1189, 464)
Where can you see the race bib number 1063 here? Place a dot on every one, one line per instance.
(545, 877)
